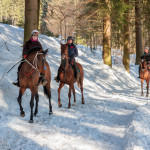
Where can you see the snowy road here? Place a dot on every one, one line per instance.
(114, 116)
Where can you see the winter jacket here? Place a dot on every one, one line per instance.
(72, 51)
(29, 45)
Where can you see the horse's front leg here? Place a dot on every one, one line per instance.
(142, 87)
(31, 105)
(37, 100)
(59, 89)
(147, 82)
(19, 99)
(69, 95)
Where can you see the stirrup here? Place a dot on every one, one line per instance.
(44, 82)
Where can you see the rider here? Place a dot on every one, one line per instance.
(30, 44)
(146, 55)
(72, 53)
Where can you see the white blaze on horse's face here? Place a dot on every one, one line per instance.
(142, 60)
(63, 56)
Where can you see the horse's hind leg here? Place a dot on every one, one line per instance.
(74, 94)
(147, 82)
(81, 84)
(47, 91)
(37, 100)
(59, 89)
(31, 105)
(21, 92)
(142, 87)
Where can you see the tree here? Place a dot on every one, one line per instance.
(138, 31)
(31, 17)
(126, 56)
(107, 35)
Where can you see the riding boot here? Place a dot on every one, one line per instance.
(76, 71)
(57, 79)
(139, 72)
(17, 83)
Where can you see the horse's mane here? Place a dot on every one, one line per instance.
(34, 49)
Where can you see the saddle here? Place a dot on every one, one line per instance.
(73, 67)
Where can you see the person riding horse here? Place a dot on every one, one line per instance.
(72, 53)
(146, 55)
(28, 46)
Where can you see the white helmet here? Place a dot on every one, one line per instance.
(35, 32)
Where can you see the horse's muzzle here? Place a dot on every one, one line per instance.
(63, 57)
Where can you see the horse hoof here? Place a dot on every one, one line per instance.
(30, 121)
(74, 104)
(22, 114)
(69, 106)
(50, 113)
(142, 94)
(146, 95)
(60, 105)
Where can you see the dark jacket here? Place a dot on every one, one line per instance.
(72, 51)
(29, 45)
(146, 56)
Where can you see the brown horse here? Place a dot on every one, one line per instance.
(33, 67)
(67, 76)
(145, 75)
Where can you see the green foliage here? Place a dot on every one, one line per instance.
(80, 40)
(12, 12)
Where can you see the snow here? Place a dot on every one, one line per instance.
(114, 116)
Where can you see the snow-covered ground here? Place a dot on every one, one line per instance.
(114, 116)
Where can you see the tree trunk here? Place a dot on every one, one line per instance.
(31, 18)
(126, 55)
(138, 31)
(38, 15)
(107, 40)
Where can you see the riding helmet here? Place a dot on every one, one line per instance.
(35, 32)
(70, 38)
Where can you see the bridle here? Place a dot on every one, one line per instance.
(145, 68)
(34, 65)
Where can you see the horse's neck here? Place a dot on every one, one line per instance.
(68, 66)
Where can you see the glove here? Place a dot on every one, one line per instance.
(24, 56)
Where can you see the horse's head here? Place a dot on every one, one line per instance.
(143, 64)
(37, 58)
(64, 51)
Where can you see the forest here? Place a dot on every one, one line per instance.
(114, 24)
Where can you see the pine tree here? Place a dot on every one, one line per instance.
(138, 31)
(107, 35)
(126, 56)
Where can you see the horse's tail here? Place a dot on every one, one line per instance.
(47, 92)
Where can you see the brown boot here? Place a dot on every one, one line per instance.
(16, 83)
